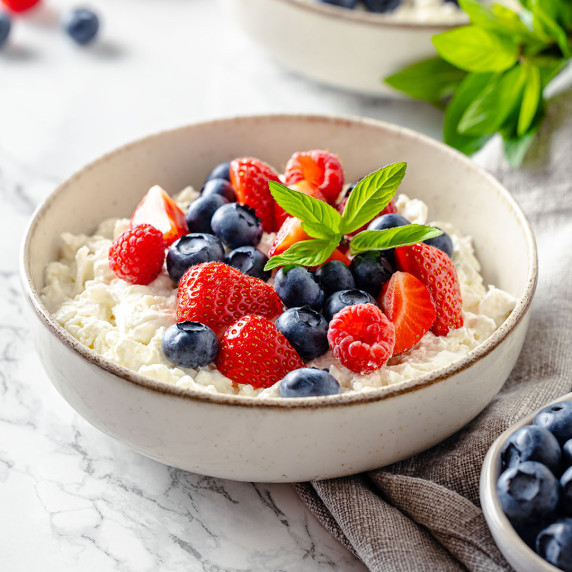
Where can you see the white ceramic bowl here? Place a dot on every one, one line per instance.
(515, 550)
(348, 49)
(277, 440)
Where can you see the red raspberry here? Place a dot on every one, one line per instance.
(19, 5)
(137, 255)
(361, 337)
(435, 269)
(253, 351)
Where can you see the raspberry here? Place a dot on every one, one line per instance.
(361, 337)
(137, 255)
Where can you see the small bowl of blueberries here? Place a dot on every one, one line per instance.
(526, 490)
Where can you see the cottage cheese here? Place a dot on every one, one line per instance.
(125, 323)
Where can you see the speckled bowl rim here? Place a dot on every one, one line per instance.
(366, 18)
(496, 519)
(344, 399)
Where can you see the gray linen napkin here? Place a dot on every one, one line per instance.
(423, 513)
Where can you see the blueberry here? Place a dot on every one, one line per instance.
(189, 344)
(221, 171)
(340, 300)
(297, 287)
(554, 544)
(442, 242)
(390, 220)
(334, 276)
(192, 249)
(567, 453)
(381, 6)
(219, 187)
(371, 270)
(557, 418)
(341, 3)
(201, 211)
(309, 382)
(306, 330)
(237, 225)
(249, 260)
(528, 493)
(5, 27)
(81, 25)
(532, 443)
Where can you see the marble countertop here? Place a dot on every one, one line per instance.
(71, 497)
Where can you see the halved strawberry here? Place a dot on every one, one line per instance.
(290, 232)
(320, 168)
(250, 177)
(435, 269)
(408, 304)
(158, 209)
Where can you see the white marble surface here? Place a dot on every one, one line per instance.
(70, 497)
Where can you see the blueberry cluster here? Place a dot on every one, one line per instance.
(535, 487)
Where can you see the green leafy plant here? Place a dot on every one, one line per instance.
(490, 76)
(327, 227)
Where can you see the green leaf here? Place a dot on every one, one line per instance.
(469, 89)
(304, 253)
(371, 195)
(544, 14)
(431, 80)
(497, 18)
(392, 237)
(317, 230)
(306, 208)
(530, 99)
(491, 108)
(515, 148)
(476, 50)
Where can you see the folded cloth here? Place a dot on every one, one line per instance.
(423, 513)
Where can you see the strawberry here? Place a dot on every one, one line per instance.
(137, 255)
(19, 5)
(435, 269)
(250, 177)
(216, 295)
(320, 168)
(253, 351)
(290, 232)
(160, 210)
(408, 304)
(361, 337)
(390, 208)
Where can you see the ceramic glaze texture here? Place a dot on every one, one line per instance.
(284, 440)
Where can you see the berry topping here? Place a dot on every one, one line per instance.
(320, 168)
(289, 233)
(554, 544)
(306, 330)
(566, 490)
(408, 304)
(361, 338)
(253, 351)
(19, 5)
(189, 344)
(5, 27)
(442, 242)
(216, 294)
(160, 210)
(297, 287)
(309, 189)
(334, 276)
(309, 382)
(371, 270)
(81, 25)
(343, 298)
(557, 418)
(435, 269)
(221, 171)
(250, 177)
(220, 187)
(137, 255)
(201, 211)
(190, 250)
(237, 225)
(249, 260)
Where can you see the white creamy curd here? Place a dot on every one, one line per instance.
(125, 323)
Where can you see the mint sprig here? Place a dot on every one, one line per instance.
(327, 227)
(491, 75)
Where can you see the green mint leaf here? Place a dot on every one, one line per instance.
(370, 196)
(304, 253)
(392, 237)
(516, 146)
(543, 17)
(317, 230)
(476, 49)
(306, 208)
(431, 80)
(530, 99)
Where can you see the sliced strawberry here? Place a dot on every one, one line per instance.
(253, 351)
(250, 177)
(290, 232)
(159, 210)
(408, 304)
(308, 189)
(390, 208)
(216, 294)
(435, 269)
(320, 168)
